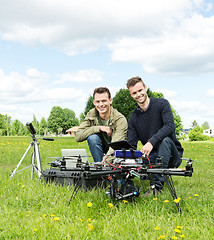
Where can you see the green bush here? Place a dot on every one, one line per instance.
(196, 134)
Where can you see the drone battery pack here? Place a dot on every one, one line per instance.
(62, 178)
(128, 154)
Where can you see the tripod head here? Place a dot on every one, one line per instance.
(33, 132)
(31, 128)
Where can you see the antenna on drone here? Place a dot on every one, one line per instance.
(36, 163)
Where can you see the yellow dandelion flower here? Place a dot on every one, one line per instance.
(157, 228)
(89, 204)
(89, 220)
(196, 195)
(23, 186)
(189, 197)
(27, 215)
(177, 230)
(174, 237)
(176, 200)
(155, 199)
(56, 219)
(44, 215)
(182, 236)
(52, 215)
(80, 220)
(90, 227)
(110, 205)
(125, 201)
(35, 229)
(166, 201)
(162, 237)
(179, 227)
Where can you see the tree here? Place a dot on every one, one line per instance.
(196, 134)
(81, 117)
(69, 120)
(2, 125)
(178, 122)
(194, 124)
(55, 120)
(205, 126)
(89, 105)
(61, 119)
(124, 103)
(18, 128)
(43, 127)
(35, 123)
(7, 123)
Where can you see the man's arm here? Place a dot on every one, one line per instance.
(168, 127)
(132, 134)
(85, 129)
(119, 132)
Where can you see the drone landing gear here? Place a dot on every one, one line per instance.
(171, 187)
(76, 189)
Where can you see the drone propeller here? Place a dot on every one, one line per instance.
(76, 156)
(98, 164)
(189, 159)
(56, 157)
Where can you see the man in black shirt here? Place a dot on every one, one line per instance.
(152, 123)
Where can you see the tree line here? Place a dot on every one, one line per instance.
(61, 120)
(57, 123)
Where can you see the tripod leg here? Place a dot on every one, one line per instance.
(13, 173)
(39, 163)
(171, 187)
(33, 162)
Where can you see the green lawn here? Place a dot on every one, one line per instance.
(32, 209)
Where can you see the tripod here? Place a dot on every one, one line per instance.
(35, 156)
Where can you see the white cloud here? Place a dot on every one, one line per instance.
(81, 76)
(61, 94)
(34, 73)
(194, 110)
(186, 48)
(32, 87)
(165, 36)
(167, 93)
(210, 93)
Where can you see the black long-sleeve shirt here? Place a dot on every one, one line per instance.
(152, 125)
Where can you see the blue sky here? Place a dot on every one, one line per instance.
(54, 53)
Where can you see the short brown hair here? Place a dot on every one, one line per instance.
(102, 90)
(132, 81)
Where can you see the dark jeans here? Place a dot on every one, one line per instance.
(97, 148)
(170, 158)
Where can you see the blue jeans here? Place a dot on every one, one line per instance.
(170, 158)
(97, 148)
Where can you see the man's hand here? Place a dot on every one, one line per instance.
(147, 148)
(106, 129)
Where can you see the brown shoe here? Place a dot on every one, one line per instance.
(151, 191)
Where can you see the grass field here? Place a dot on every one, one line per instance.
(32, 209)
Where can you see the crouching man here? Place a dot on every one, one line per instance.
(102, 125)
(152, 123)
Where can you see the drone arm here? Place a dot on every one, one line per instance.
(176, 172)
(89, 174)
